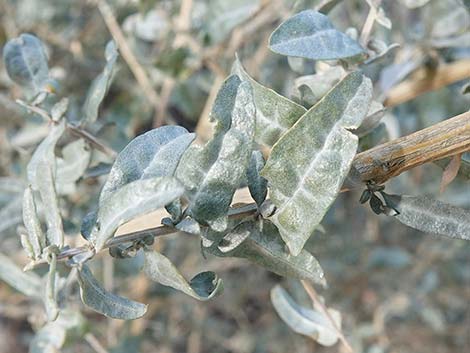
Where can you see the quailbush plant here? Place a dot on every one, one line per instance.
(294, 157)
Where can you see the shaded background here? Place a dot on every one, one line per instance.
(398, 290)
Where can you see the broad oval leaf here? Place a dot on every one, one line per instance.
(257, 185)
(26, 62)
(431, 216)
(111, 305)
(310, 34)
(33, 226)
(153, 154)
(130, 201)
(100, 85)
(203, 286)
(308, 322)
(275, 114)
(308, 165)
(266, 248)
(212, 173)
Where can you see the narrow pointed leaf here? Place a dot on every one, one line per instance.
(308, 165)
(31, 221)
(153, 154)
(130, 201)
(27, 283)
(111, 305)
(275, 114)
(26, 62)
(203, 286)
(212, 173)
(50, 298)
(308, 322)
(100, 85)
(257, 185)
(266, 248)
(431, 216)
(310, 34)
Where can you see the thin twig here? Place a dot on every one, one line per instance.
(126, 51)
(368, 24)
(318, 303)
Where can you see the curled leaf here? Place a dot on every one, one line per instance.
(308, 322)
(310, 34)
(203, 286)
(111, 305)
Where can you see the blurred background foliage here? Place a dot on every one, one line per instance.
(398, 290)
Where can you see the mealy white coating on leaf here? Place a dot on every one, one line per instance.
(310, 34)
(146, 155)
(160, 269)
(100, 85)
(27, 283)
(275, 114)
(212, 173)
(432, 216)
(189, 225)
(26, 62)
(31, 221)
(132, 200)
(76, 158)
(308, 165)
(111, 305)
(257, 185)
(266, 248)
(308, 322)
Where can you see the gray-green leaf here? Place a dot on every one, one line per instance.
(111, 305)
(212, 173)
(26, 62)
(50, 297)
(27, 283)
(308, 165)
(203, 286)
(31, 221)
(153, 154)
(266, 248)
(76, 157)
(132, 200)
(308, 322)
(100, 85)
(257, 185)
(431, 216)
(275, 114)
(310, 34)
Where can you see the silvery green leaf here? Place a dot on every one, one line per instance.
(71, 167)
(378, 50)
(455, 22)
(153, 154)
(189, 225)
(203, 286)
(308, 165)
(100, 85)
(413, 4)
(132, 200)
(221, 17)
(256, 183)
(31, 221)
(266, 248)
(372, 119)
(59, 109)
(10, 214)
(275, 114)
(311, 88)
(52, 336)
(305, 321)
(111, 305)
(41, 171)
(431, 216)
(50, 297)
(212, 173)
(27, 283)
(26, 62)
(310, 34)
